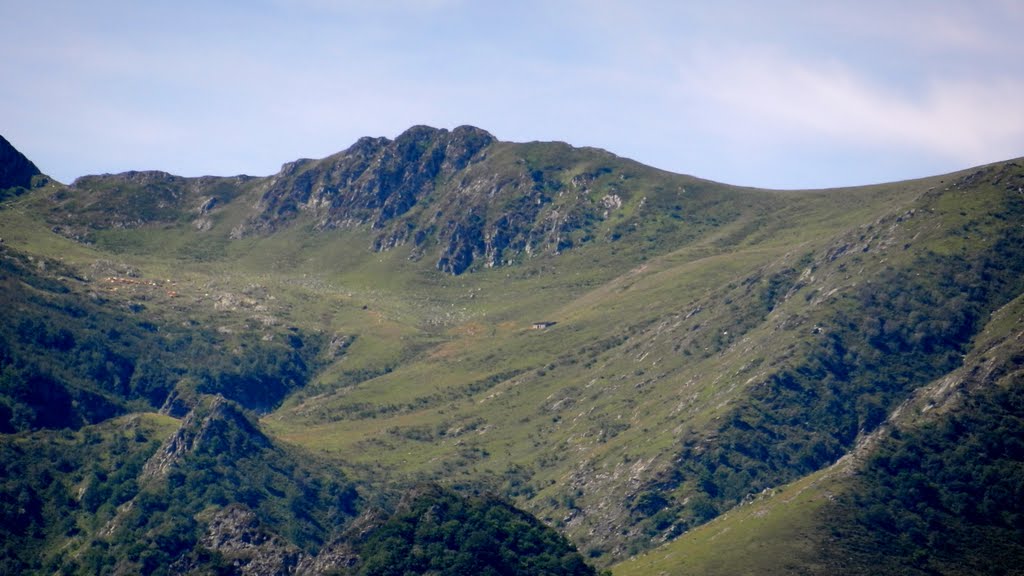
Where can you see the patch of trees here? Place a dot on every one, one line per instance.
(54, 486)
(947, 497)
(67, 360)
(435, 531)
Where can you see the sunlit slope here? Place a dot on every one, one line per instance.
(863, 515)
(700, 342)
(581, 419)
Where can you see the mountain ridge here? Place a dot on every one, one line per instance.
(623, 352)
(459, 197)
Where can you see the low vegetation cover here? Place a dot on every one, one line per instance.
(240, 375)
(881, 342)
(934, 490)
(71, 355)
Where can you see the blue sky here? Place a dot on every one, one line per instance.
(779, 94)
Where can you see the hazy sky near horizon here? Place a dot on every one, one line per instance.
(783, 94)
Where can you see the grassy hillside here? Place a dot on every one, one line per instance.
(667, 393)
(141, 494)
(79, 346)
(702, 343)
(918, 496)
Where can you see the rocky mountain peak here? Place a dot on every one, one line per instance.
(373, 181)
(451, 194)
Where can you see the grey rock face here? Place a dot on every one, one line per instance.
(375, 181)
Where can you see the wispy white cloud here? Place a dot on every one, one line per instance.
(951, 27)
(770, 95)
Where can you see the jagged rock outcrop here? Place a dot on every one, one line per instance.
(238, 535)
(15, 169)
(230, 499)
(374, 181)
(210, 428)
(445, 191)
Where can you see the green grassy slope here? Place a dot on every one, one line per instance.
(81, 345)
(594, 422)
(909, 500)
(710, 341)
